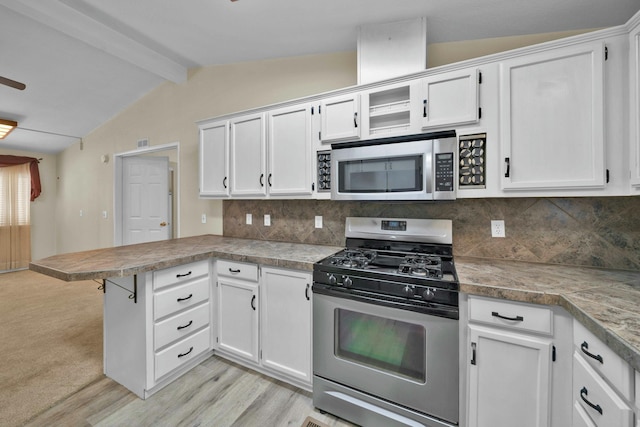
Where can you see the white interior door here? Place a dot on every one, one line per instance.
(145, 209)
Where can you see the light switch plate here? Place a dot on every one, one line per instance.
(249, 219)
(318, 221)
(267, 220)
(204, 218)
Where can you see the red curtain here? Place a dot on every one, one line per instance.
(36, 187)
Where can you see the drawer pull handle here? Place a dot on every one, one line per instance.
(584, 393)
(231, 270)
(306, 292)
(584, 346)
(184, 354)
(186, 298)
(183, 275)
(513, 319)
(253, 303)
(185, 326)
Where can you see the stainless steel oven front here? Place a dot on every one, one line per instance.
(380, 365)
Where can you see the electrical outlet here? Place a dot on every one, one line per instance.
(318, 221)
(497, 228)
(267, 220)
(249, 219)
(204, 218)
(104, 214)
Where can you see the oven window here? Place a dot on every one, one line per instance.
(386, 344)
(385, 175)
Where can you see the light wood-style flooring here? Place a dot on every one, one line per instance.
(215, 393)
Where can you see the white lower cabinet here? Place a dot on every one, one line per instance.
(285, 321)
(264, 319)
(157, 326)
(603, 383)
(511, 364)
(237, 299)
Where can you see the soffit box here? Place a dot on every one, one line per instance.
(391, 49)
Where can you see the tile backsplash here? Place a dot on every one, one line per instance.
(586, 231)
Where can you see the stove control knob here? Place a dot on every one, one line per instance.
(428, 295)
(332, 279)
(408, 291)
(347, 282)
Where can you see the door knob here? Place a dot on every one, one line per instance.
(163, 224)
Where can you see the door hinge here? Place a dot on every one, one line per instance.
(607, 176)
(480, 78)
(606, 53)
(553, 354)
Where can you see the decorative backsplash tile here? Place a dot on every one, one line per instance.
(597, 232)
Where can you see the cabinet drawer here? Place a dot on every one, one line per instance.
(181, 352)
(580, 417)
(180, 297)
(181, 325)
(511, 315)
(597, 399)
(603, 360)
(179, 274)
(238, 270)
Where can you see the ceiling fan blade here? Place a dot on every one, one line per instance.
(12, 83)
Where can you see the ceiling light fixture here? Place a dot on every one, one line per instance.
(6, 126)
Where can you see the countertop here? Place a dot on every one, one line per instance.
(605, 301)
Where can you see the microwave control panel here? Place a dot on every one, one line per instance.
(444, 172)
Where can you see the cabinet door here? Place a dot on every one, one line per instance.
(238, 318)
(290, 161)
(286, 322)
(214, 160)
(509, 379)
(450, 98)
(248, 156)
(634, 96)
(552, 121)
(340, 118)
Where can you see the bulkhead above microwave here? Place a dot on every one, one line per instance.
(415, 167)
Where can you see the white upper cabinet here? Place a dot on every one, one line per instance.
(389, 111)
(450, 98)
(290, 158)
(340, 118)
(552, 119)
(214, 159)
(248, 156)
(634, 110)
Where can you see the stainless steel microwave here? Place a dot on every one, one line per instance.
(416, 167)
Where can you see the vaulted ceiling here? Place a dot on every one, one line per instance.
(83, 61)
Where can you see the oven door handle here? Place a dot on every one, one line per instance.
(451, 312)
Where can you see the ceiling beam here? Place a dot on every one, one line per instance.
(70, 21)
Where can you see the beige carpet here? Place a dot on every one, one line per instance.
(50, 342)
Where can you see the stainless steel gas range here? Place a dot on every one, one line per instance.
(385, 325)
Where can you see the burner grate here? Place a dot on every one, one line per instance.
(422, 266)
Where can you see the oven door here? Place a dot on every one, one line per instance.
(407, 358)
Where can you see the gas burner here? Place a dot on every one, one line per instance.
(422, 266)
(353, 258)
